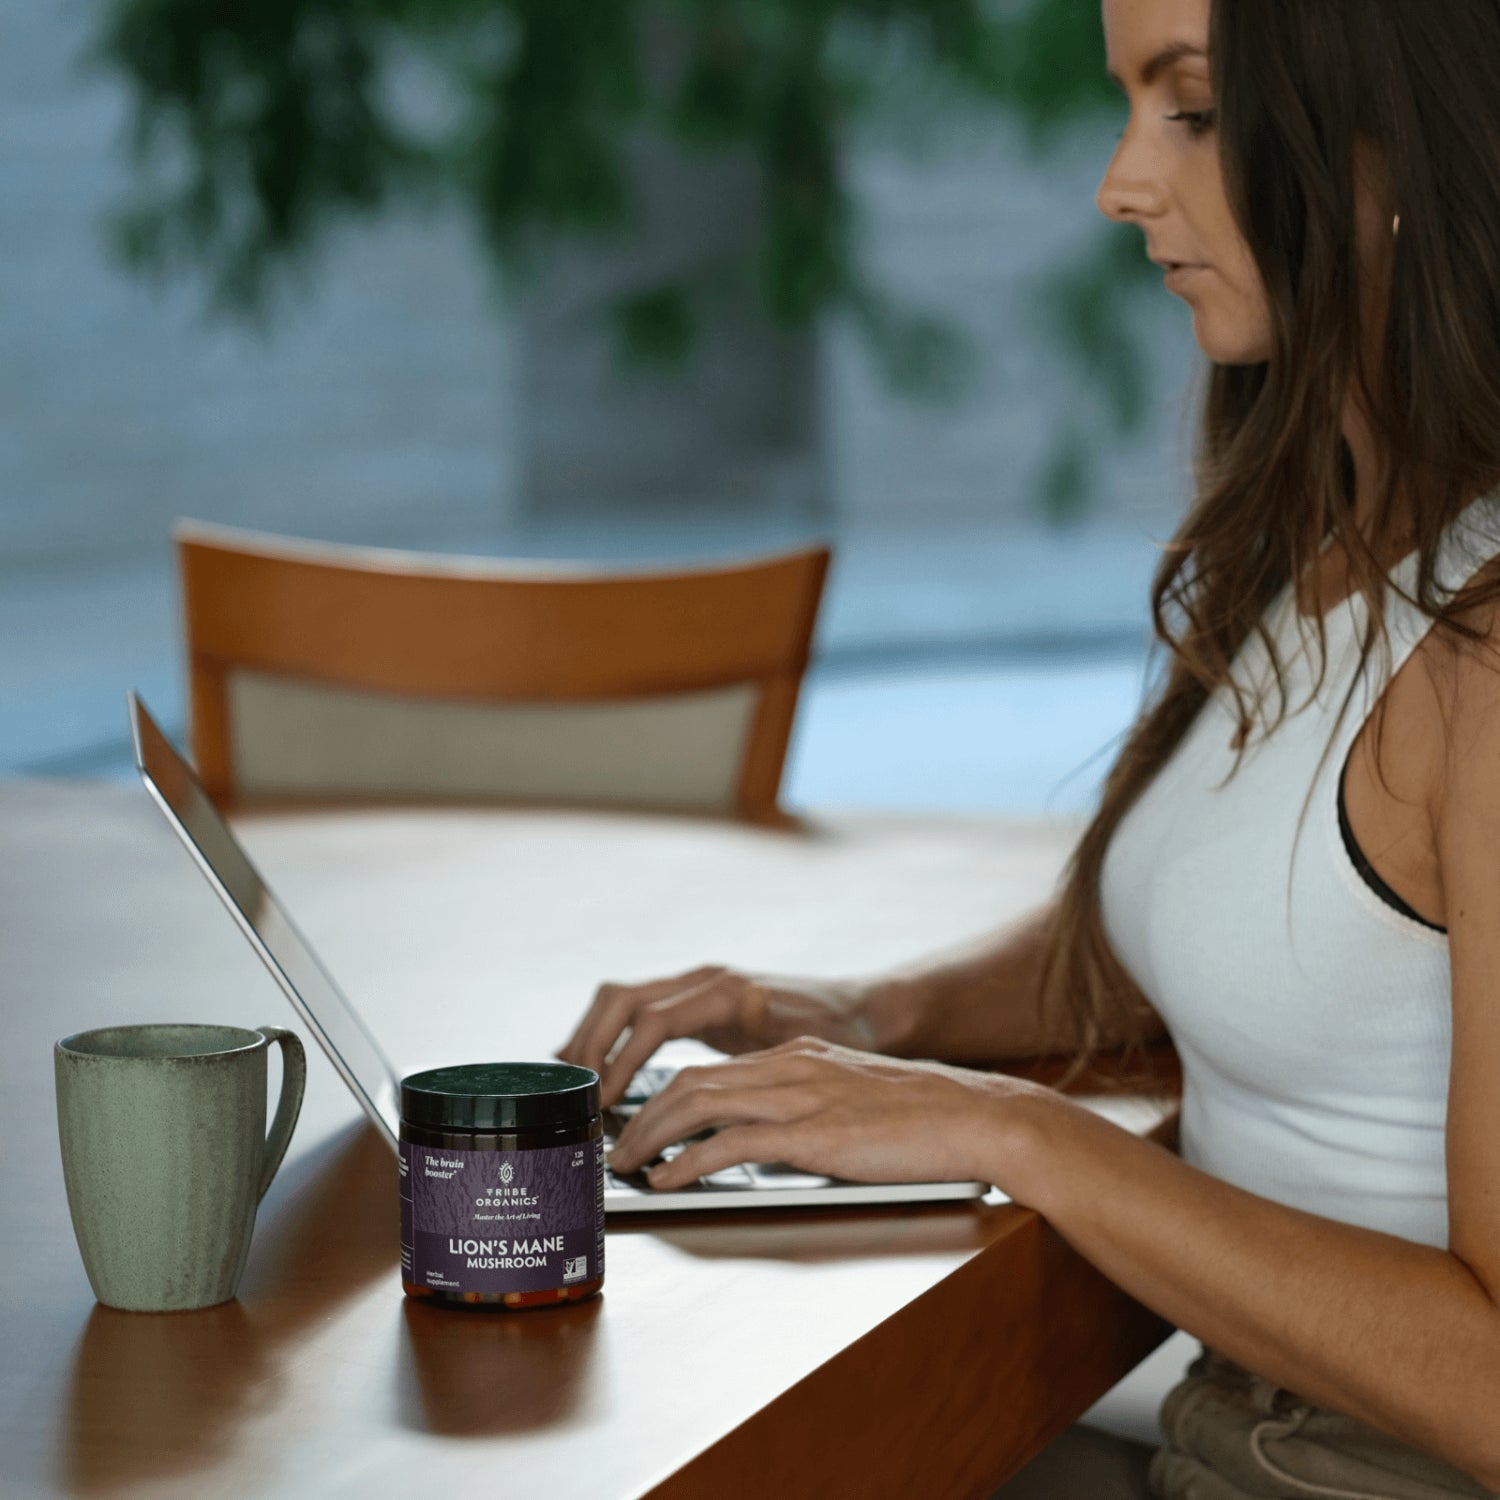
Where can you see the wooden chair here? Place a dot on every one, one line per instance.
(324, 672)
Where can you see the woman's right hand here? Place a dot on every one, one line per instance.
(730, 1010)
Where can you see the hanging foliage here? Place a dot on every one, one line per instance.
(260, 125)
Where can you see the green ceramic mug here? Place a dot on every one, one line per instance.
(166, 1156)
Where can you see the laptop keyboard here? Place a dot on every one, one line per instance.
(652, 1079)
(647, 1081)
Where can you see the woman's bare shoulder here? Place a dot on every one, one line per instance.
(1461, 676)
(1460, 667)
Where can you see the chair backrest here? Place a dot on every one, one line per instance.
(327, 673)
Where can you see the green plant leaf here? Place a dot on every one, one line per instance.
(258, 129)
(1067, 477)
(655, 327)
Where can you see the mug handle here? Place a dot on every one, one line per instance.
(293, 1082)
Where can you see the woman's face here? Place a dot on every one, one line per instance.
(1165, 175)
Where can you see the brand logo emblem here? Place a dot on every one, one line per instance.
(506, 1172)
(575, 1270)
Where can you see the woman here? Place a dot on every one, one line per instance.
(1295, 869)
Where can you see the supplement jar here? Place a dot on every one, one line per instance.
(502, 1185)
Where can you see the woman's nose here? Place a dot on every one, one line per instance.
(1127, 202)
(1128, 192)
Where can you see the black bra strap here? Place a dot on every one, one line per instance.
(1367, 870)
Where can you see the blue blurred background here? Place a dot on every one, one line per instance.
(984, 636)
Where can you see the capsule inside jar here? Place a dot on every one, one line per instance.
(502, 1185)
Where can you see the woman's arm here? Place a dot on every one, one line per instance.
(1402, 1335)
(977, 1002)
(1405, 1337)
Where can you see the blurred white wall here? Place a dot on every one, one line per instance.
(391, 402)
(378, 403)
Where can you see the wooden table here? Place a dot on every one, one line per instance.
(904, 1353)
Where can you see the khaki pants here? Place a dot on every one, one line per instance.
(1232, 1436)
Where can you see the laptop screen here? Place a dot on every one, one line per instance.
(285, 952)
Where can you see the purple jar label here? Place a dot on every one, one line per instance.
(502, 1221)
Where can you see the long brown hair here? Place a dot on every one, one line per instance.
(1298, 83)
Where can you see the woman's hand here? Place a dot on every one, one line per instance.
(825, 1108)
(729, 1010)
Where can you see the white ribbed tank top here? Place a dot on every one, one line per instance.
(1312, 1018)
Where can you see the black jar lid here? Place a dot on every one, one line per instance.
(501, 1096)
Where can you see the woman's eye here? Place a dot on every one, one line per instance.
(1198, 121)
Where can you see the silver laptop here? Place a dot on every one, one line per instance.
(354, 1052)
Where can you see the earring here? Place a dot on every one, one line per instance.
(1396, 227)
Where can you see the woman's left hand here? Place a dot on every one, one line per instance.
(825, 1108)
